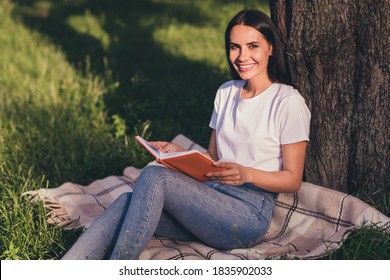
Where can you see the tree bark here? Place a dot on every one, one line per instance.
(338, 54)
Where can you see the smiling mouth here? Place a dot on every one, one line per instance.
(245, 68)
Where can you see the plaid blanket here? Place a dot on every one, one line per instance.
(307, 224)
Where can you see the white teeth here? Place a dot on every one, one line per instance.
(246, 67)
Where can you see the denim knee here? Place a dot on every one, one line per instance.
(154, 170)
(150, 174)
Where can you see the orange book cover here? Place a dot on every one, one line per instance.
(192, 163)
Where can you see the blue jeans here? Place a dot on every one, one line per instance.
(167, 203)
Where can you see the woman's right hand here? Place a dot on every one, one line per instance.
(167, 147)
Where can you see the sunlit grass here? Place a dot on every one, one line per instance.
(53, 128)
(91, 25)
(205, 44)
(211, 51)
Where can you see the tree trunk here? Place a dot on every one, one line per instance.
(338, 54)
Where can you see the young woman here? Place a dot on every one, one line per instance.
(260, 129)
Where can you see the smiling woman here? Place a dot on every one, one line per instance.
(249, 55)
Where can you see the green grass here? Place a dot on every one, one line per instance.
(80, 78)
(367, 243)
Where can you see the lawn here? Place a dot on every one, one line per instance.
(80, 78)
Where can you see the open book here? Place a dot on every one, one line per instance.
(192, 163)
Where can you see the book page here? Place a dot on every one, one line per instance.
(153, 150)
(159, 154)
(178, 154)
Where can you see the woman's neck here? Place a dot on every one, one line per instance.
(252, 89)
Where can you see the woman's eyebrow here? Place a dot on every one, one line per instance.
(250, 43)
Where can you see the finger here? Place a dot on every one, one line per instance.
(230, 182)
(227, 165)
(220, 164)
(157, 144)
(219, 174)
(162, 146)
(224, 179)
(170, 147)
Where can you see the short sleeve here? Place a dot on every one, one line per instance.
(213, 121)
(294, 120)
(214, 116)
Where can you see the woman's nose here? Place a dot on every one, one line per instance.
(243, 54)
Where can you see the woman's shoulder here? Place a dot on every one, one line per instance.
(284, 90)
(290, 97)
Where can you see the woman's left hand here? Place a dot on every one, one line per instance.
(235, 174)
(167, 147)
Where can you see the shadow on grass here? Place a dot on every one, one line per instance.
(174, 93)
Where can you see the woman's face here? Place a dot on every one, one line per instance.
(249, 52)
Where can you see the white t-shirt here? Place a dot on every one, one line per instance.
(251, 131)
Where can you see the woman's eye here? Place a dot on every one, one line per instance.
(253, 46)
(233, 47)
